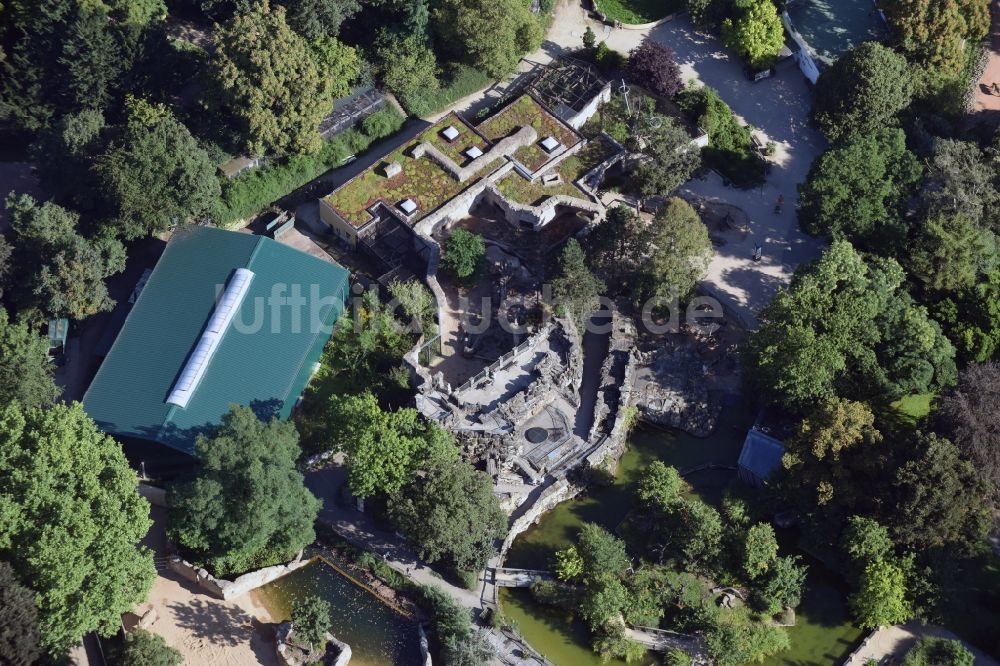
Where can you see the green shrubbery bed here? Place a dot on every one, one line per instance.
(460, 81)
(730, 147)
(251, 192)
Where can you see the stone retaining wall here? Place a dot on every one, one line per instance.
(226, 589)
(559, 491)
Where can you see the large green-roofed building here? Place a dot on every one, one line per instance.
(225, 318)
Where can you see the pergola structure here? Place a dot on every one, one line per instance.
(567, 85)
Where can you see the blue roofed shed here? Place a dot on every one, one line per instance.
(262, 355)
(760, 457)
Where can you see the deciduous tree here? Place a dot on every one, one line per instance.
(782, 587)
(269, 81)
(653, 65)
(449, 512)
(61, 273)
(678, 255)
(941, 500)
(463, 253)
(855, 189)
(934, 32)
(384, 449)
(603, 554)
(490, 35)
(157, 175)
(247, 506)
(407, 63)
(25, 369)
(144, 648)
(314, 19)
(758, 35)
(670, 158)
(73, 520)
(862, 92)
(760, 550)
(881, 600)
(311, 619)
(934, 651)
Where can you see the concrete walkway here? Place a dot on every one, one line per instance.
(360, 529)
(986, 101)
(897, 640)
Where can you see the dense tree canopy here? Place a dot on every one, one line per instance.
(19, 637)
(72, 521)
(934, 32)
(968, 415)
(269, 80)
(881, 600)
(408, 63)
(855, 189)
(846, 327)
(616, 247)
(61, 272)
(156, 176)
(835, 448)
(384, 448)
(247, 506)
(679, 251)
(25, 369)
(449, 512)
(963, 180)
(314, 19)
(948, 252)
(862, 92)
(941, 500)
(490, 35)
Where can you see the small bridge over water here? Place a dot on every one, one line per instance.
(503, 577)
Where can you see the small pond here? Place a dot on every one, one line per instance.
(377, 634)
(823, 635)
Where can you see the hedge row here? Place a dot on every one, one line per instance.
(251, 192)
(462, 80)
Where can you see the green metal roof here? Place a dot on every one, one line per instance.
(264, 359)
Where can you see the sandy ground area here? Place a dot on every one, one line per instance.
(985, 99)
(207, 631)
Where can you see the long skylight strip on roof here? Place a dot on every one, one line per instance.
(222, 316)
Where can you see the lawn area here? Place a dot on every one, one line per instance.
(913, 408)
(531, 193)
(637, 11)
(524, 112)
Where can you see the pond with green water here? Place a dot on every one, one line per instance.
(823, 634)
(377, 634)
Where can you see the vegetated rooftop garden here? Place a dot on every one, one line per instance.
(525, 112)
(423, 180)
(571, 169)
